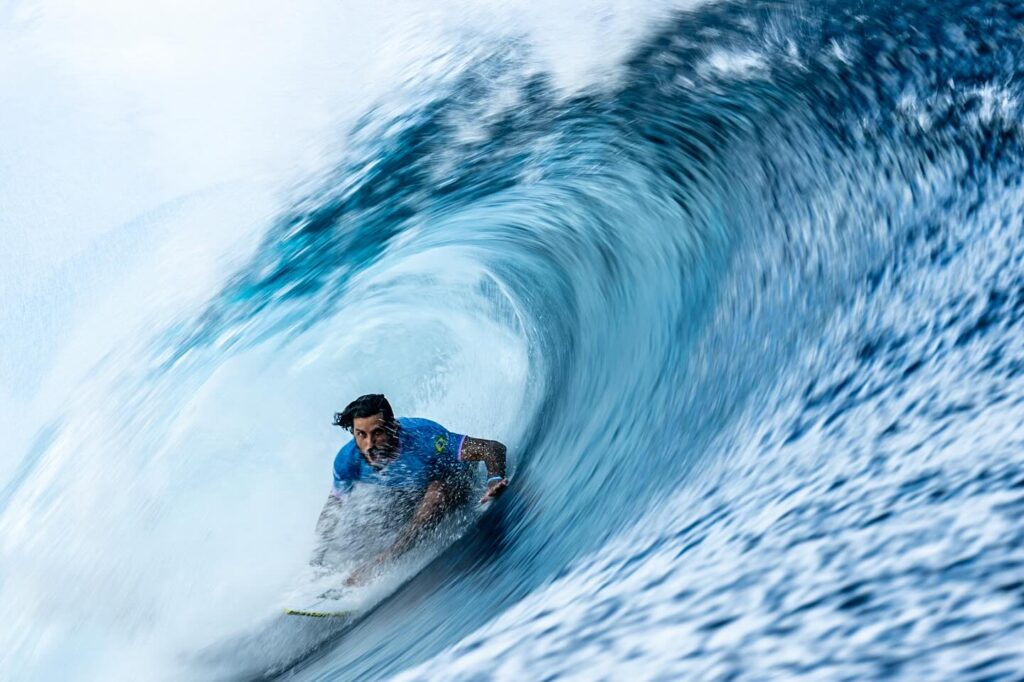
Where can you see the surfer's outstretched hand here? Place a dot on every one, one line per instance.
(494, 489)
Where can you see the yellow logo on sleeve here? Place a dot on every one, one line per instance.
(440, 443)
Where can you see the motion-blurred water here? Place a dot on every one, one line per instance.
(746, 306)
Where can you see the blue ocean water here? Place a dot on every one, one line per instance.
(747, 314)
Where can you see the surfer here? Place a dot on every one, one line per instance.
(418, 456)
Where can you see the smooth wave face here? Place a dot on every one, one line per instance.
(746, 312)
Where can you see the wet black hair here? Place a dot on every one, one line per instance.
(364, 406)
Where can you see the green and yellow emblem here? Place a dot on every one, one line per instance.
(440, 443)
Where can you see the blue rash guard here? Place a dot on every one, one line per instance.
(427, 452)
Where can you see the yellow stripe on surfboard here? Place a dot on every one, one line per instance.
(317, 614)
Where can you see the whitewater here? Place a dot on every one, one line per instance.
(738, 283)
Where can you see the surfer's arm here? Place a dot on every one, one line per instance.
(492, 454)
(325, 526)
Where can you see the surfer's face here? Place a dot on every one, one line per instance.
(374, 437)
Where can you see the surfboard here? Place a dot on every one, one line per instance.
(320, 606)
(322, 595)
(318, 614)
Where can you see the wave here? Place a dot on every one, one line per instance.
(745, 313)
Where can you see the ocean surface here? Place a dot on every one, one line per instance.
(740, 285)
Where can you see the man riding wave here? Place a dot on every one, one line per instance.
(415, 457)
